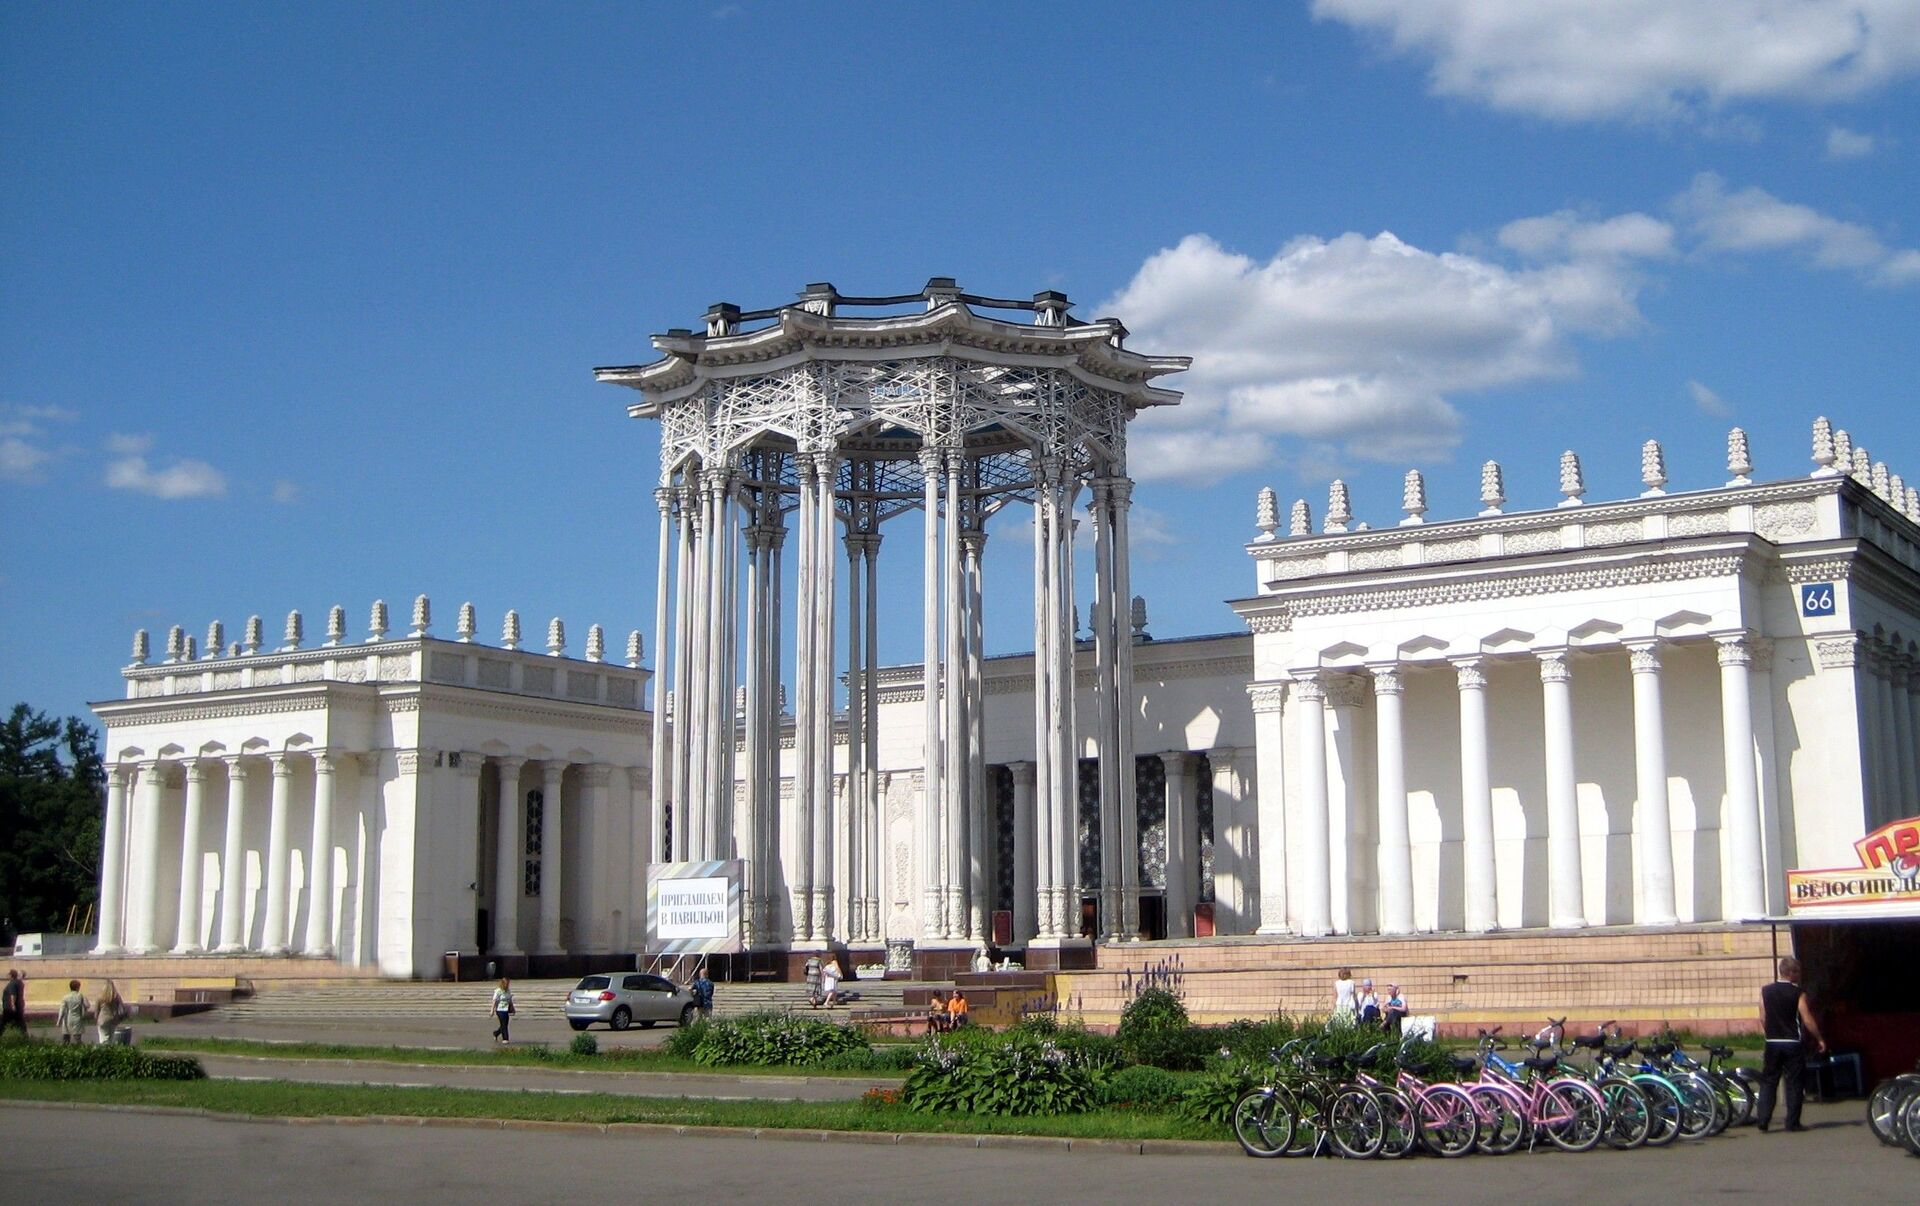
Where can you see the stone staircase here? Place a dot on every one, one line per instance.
(532, 999)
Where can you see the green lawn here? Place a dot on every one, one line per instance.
(284, 1099)
(631, 1059)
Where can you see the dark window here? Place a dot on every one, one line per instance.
(634, 983)
(594, 983)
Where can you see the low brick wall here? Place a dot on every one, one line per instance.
(1701, 978)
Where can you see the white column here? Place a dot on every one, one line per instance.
(800, 874)
(660, 763)
(953, 693)
(1183, 846)
(1746, 872)
(773, 842)
(1390, 772)
(931, 838)
(1476, 800)
(858, 823)
(675, 840)
(552, 881)
(1025, 889)
(1112, 913)
(757, 730)
(691, 712)
(870, 782)
(594, 933)
(276, 937)
(1236, 874)
(1653, 825)
(1566, 898)
(186, 930)
(1310, 731)
(143, 922)
(507, 859)
(113, 861)
(1120, 498)
(826, 469)
(1900, 717)
(1047, 904)
(718, 795)
(233, 858)
(1270, 787)
(1347, 826)
(1066, 750)
(319, 941)
(979, 842)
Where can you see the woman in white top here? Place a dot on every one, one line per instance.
(502, 1009)
(1343, 998)
(830, 981)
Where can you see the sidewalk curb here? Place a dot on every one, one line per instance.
(1043, 1143)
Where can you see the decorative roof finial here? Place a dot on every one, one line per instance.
(189, 651)
(510, 630)
(1823, 451)
(1076, 621)
(176, 639)
(1266, 514)
(336, 625)
(596, 643)
(1842, 451)
(216, 638)
(463, 627)
(1573, 483)
(1653, 469)
(1413, 498)
(1879, 480)
(377, 622)
(1339, 507)
(1738, 462)
(635, 650)
(1300, 519)
(255, 636)
(740, 700)
(1913, 504)
(1139, 616)
(1897, 492)
(422, 617)
(296, 631)
(1862, 465)
(1493, 488)
(142, 650)
(556, 637)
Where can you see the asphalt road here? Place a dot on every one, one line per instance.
(69, 1155)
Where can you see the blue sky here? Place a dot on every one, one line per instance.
(298, 303)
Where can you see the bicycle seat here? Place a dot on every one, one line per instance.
(1465, 1063)
(1720, 1052)
(1619, 1050)
(1366, 1059)
(1661, 1048)
(1591, 1042)
(1541, 1063)
(1328, 1061)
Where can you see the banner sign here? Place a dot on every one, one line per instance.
(694, 908)
(1888, 875)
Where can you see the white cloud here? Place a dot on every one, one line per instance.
(1575, 60)
(1843, 143)
(1362, 343)
(128, 445)
(1709, 402)
(1566, 235)
(20, 461)
(22, 451)
(180, 479)
(286, 492)
(1754, 220)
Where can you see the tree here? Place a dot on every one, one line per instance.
(52, 797)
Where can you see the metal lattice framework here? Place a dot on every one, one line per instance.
(808, 424)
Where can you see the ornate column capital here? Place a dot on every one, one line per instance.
(930, 458)
(282, 763)
(120, 774)
(1346, 690)
(1120, 490)
(595, 774)
(408, 761)
(508, 764)
(974, 541)
(552, 770)
(1387, 679)
(1643, 657)
(1310, 688)
(1554, 667)
(469, 763)
(1268, 696)
(1024, 773)
(1470, 673)
(239, 766)
(196, 770)
(1839, 653)
(326, 761)
(1178, 763)
(1735, 649)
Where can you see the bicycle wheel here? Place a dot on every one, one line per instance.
(1883, 1109)
(1402, 1124)
(1262, 1123)
(1356, 1123)
(1738, 1095)
(1697, 1109)
(1664, 1109)
(1449, 1123)
(1309, 1111)
(1573, 1114)
(1908, 1127)
(1629, 1117)
(1503, 1122)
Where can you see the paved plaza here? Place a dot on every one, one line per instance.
(74, 1155)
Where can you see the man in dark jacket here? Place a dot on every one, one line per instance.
(13, 1002)
(1789, 1024)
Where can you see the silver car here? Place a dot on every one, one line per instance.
(622, 998)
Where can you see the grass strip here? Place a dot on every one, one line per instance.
(291, 1100)
(629, 1059)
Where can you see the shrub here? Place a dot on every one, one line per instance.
(585, 1044)
(1186, 1049)
(896, 1057)
(1152, 1011)
(1141, 1087)
(685, 1040)
(1094, 1051)
(1016, 1074)
(1210, 1097)
(1039, 1025)
(775, 1039)
(89, 1061)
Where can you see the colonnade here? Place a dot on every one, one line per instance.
(1325, 702)
(1888, 670)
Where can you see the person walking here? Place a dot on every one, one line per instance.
(1788, 1022)
(73, 1014)
(502, 1009)
(813, 980)
(1343, 998)
(703, 991)
(13, 1004)
(109, 1011)
(830, 982)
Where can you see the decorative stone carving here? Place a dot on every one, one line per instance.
(1696, 523)
(189, 651)
(510, 630)
(1897, 492)
(1139, 616)
(294, 633)
(1373, 559)
(1339, 507)
(1862, 465)
(596, 643)
(1735, 650)
(1839, 654)
(226, 680)
(1653, 469)
(396, 668)
(377, 622)
(494, 673)
(1413, 498)
(463, 627)
(1739, 464)
(1346, 600)
(1879, 480)
(1533, 540)
(1299, 567)
(1913, 504)
(1493, 488)
(1266, 514)
(254, 639)
(1621, 531)
(1266, 697)
(1572, 483)
(1823, 451)
(176, 642)
(1554, 667)
(1463, 549)
(621, 692)
(1644, 659)
(141, 649)
(537, 680)
(1780, 521)
(1346, 690)
(1310, 688)
(422, 618)
(1387, 680)
(216, 639)
(307, 672)
(1842, 451)
(336, 626)
(1300, 519)
(1471, 675)
(635, 650)
(556, 637)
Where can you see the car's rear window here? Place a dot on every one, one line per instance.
(594, 982)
